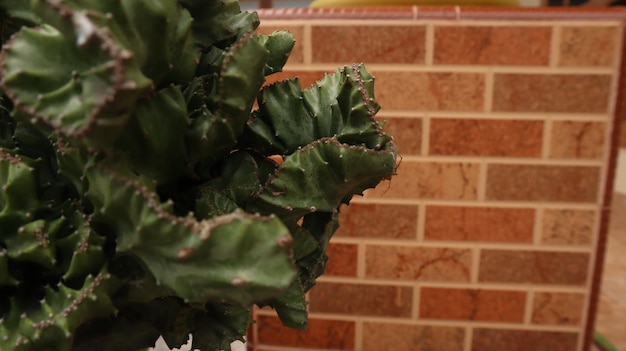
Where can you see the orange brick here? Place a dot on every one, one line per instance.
(472, 304)
(535, 267)
(588, 46)
(479, 224)
(430, 91)
(542, 183)
(378, 221)
(407, 133)
(368, 44)
(574, 139)
(403, 337)
(523, 340)
(322, 334)
(418, 263)
(482, 137)
(558, 308)
(431, 180)
(342, 259)
(578, 93)
(492, 45)
(361, 299)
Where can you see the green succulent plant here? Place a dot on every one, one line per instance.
(139, 196)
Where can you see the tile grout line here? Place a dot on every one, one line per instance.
(360, 259)
(307, 48)
(415, 311)
(358, 334)
(469, 335)
(591, 206)
(444, 322)
(449, 244)
(474, 69)
(346, 22)
(546, 148)
(528, 310)
(481, 187)
(555, 41)
(499, 116)
(425, 145)
(522, 161)
(538, 226)
(489, 91)
(475, 267)
(421, 223)
(429, 44)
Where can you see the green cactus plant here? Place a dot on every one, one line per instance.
(138, 193)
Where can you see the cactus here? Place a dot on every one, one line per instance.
(140, 195)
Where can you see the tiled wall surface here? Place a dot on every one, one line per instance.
(485, 239)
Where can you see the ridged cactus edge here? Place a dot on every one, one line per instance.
(151, 182)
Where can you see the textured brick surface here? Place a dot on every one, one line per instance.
(522, 340)
(480, 137)
(362, 299)
(588, 46)
(472, 304)
(418, 263)
(404, 337)
(322, 333)
(342, 260)
(543, 183)
(572, 139)
(449, 91)
(369, 44)
(578, 93)
(378, 221)
(568, 227)
(558, 308)
(557, 268)
(479, 224)
(497, 45)
(431, 180)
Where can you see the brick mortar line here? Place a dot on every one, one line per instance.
(360, 258)
(469, 68)
(489, 91)
(358, 334)
(555, 46)
(523, 287)
(307, 46)
(448, 323)
(421, 223)
(521, 161)
(475, 267)
(474, 203)
(443, 22)
(415, 314)
(528, 309)
(429, 45)
(546, 139)
(445, 322)
(538, 227)
(547, 116)
(481, 187)
(463, 245)
(425, 143)
(469, 335)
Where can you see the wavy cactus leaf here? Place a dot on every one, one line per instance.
(279, 44)
(292, 307)
(156, 146)
(219, 23)
(86, 251)
(86, 82)
(51, 326)
(222, 118)
(33, 242)
(340, 106)
(321, 176)
(219, 326)
(196, 259)
(159, 34)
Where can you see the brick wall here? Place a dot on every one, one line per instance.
(485, 239)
